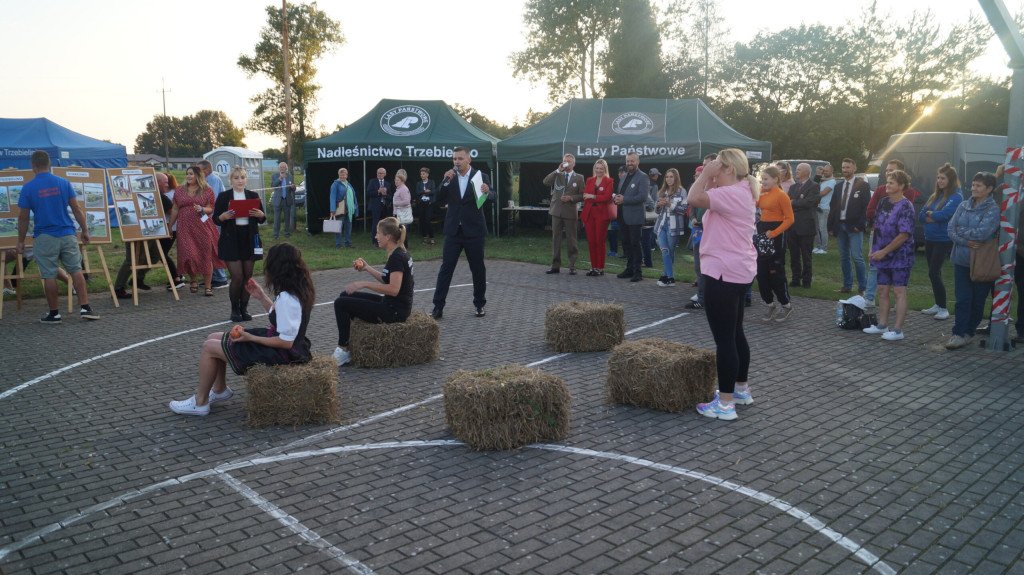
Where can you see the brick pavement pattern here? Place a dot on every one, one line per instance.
(859, 455)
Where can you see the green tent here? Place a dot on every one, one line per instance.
(406, 134)
(665, 134)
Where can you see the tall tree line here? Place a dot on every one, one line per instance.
(816, 91)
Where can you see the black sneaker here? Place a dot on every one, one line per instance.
(122, 294)
(480, 312)
(144, 287)
(694, 305)
(52, 317)
(218, 285)
(87, 313)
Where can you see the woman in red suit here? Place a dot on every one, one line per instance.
(597, 212)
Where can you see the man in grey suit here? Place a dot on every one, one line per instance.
(566, 191)
(630, 196)
(283, 199)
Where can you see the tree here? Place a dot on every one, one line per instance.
(189, 136)
(694, 48)
(565, 40)
(311, 35)
(635, 68)
(500, 131)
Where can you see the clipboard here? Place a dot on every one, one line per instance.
(242, 207)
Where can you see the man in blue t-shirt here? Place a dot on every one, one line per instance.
(49, 197)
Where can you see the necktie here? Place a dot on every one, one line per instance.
(846, 193)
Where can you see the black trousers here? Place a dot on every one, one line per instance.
(453, 248)
(800, 257)
(631, 244)
(723, 304)
(365, 306)
(426, 212)
(937, 253)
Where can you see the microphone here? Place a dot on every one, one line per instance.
(447, 179)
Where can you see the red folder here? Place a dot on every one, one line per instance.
(242, 207)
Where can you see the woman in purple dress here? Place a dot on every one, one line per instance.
(892, 253)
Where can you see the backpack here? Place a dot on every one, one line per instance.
(849, 316)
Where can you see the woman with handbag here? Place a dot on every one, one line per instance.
(598, 210)
(343, 205)
(239, 244)
(973, 230)
(892, 253)
(671, 209)
(776, 217)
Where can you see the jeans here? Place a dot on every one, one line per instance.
(937, 253)
(700, 277)
(869, 294)
(724, 305)
(851, 244)
(821, 238)
(667, 243)
(970, 301)
(346, 230)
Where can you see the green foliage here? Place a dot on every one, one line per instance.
(311, 35)
(500, 131)
(634, 62)
(189, 136)
(565, 42)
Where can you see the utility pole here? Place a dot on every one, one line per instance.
(287, 87)
(1013, 43)
(167, 153)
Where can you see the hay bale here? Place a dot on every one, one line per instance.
(577, 326)
(412, 342)
(506, 408)
(662, 375)
(295, 394)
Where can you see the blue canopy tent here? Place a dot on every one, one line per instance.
(19, 137)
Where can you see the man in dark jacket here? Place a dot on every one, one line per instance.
(804, 195)
(846, 221)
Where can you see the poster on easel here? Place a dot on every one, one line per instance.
(11, 182)
(140, 213)
(91, 193)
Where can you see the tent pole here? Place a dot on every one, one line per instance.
(366, 206)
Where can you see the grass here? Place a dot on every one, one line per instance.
(530, 246)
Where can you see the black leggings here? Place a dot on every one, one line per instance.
(723, 306)
(771, 270)
(365, 306)
(241, 271)
(937, 253)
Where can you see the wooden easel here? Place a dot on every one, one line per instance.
(21, 276)
(86, 269)
(18, 275)
(137, 265)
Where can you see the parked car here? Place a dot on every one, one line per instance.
(300, 196)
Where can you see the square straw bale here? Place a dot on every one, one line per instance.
(577, 326)
(411, 342)
(660, 374)
(296, 394)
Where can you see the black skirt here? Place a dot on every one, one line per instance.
(242, 355)
(239, 246)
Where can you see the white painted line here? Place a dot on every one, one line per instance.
(57, 372)
(659, 322)
(870, 559)
(295, 526)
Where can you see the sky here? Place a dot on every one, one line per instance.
(99, 67)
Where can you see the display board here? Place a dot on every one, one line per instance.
(11, 182)
(91, 190)
(140, 213)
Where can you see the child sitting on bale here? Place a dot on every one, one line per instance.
(394, 282)
(285, 342)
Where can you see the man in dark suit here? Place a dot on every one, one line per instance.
(630, 196)
(465, 228)
(846, 221)
(804, 194)
(380, 193)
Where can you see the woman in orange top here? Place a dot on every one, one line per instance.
(776, 217)
(597, 206)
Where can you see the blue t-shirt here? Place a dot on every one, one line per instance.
(47, 196)
(827, 198)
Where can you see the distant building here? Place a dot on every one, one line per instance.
(157, 161)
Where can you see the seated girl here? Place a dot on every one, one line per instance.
(394, 283)
(284, 342)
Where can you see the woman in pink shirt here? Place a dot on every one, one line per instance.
(728, 262)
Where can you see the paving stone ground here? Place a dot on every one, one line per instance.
(859, 455)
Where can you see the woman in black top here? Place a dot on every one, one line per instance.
(239, 244)
(425, 203)
(394, 282)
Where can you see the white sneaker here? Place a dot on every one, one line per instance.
(893, 335)
(189, 407)
(219, 397)
(956, 342)
(341, 356)
(943, 313)
(694, 297)
(874, 330)
(933, 310)
(9, 291)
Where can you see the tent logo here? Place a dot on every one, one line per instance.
(405, 121)
(632, 124)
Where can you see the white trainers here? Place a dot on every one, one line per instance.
(9, 291)
(943, 313)
(222, 396)
(784, 313)
(694, 297)
(956, 342)
(189, 407)
(770, 312)
(874, 330)
(932, 310)
(893, 335)
(341, 356)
